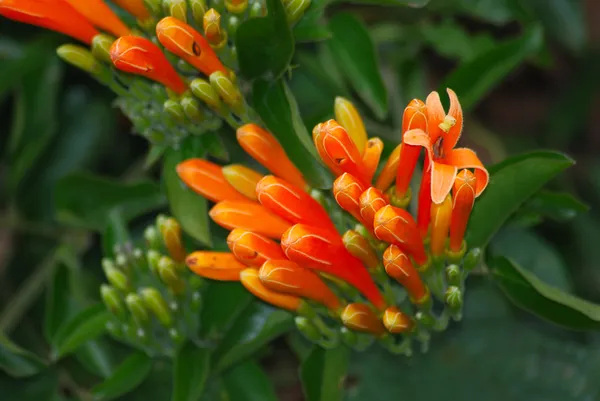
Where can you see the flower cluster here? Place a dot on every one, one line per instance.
(287, 250)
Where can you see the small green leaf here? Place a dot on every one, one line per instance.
(474, 79)
(126, 377)
(57, 305)
(254, 328)
(322, 373)
(16, 361)
(192, 367)
(223, 303)
(311, 27)
(248, 382)
(115, 232)
(355, 55)
(558, 206)
(277, 107)
(527, 291)
(265, 45)
(451, 40)
(512, 182)
(97, 357)
(87, 325)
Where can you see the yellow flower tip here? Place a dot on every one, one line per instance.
(441, 215)
(222, 266)
(398, 266)
(243, 179)
(360, 317)
(360, 248)
(171, 233)
(212, 28)
(371, 156)
(396, 322)
(349, 118)
(207, 179)
(253, 249)
(250, 279)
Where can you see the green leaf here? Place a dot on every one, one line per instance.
(558, 206)
(254, 328)
(527, 291)
(451, 40)
(86, 200)
(16, 361)
(97, 357)
(355, 55)
(126, 377)
(311, 27)
(115, 232)
(192, 367)
(189, 208)
(512, 182)
(85, 326)
(223, 303)
(57, 305)
(322, 373)
(411, 3)
(474, 79)
(248, 382)
(277, 107)
(43, 386)
(265, 45)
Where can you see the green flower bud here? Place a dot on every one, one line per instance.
(168, 274)
(425, 319)
(176, 9)
(196, 303)
(138, 255)
(191, 108)
(349, 337)
(137, 309)
(101, 45)
(79, 57)
(112, 300)
(233, 22)
(154, 6)
(295, 9)
(115, 276)
(121, 260)
(153, 258)
(453, 298)
(205, 92)
(226, 89)
(174, 109)
(114, 329)
(257, 10)
(453, 275)
(198, 10)
(308, 329)
(472, 259)
(236, 6)
(176, 336)
(186, 68)
(157, 304)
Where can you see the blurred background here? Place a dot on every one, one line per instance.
(533, 82)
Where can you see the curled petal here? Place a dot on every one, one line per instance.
(222, 266)
(389, 171)
(396, 322)
(253, 249)
(442, 179)
(440, 224)
(249, 216)
(99, 14)
(371, 157)
(265, 149)
(465, 158)
(250, 279)
(134, 7)
(347, 191)
(207, 179)
(360, 248)
(348, 117)
(415, 116)
(370, 202)
(360, 317)
(435, 117)
(396, 226)
(288, 277)
(398, 266)
(455, 128)
(243, 179)
(464, 198)
(140, 56)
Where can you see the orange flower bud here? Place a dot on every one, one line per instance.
(249, 216)
(424, 206)
(338, 151)
(407, 161)
(389, 171)
(249, 279)
(253, 249)
(415, 116)
(324, 251)
(243, 179)
(398, 266)
(292, 203)
(222, 266)
(171, 234)
(464, 197)
(360, 248)
(348, 117)
(370, 202)
(100, 15)
(287, 277)
(396, 226)
(360, 317)
(140, 56)
(134, 7)
(207, 179)
(396, 322)
(56, 15)
(185, 42)
(441, 213)
(265, 149)
(346, 191)
(371, 157)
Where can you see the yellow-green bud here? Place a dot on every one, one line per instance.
(174, 109)
(79, 57)
(176, 336)
(229, 92)
(204, 91)
(153, 258)
(101, 45)
(257, 9)
(191, 108)
(213, 31)
(453, 275)
(236, 6)
(472, 259)
(233, 22)
(168, 274)
(112, 300)
(295, 9)
(115, 276)
(157, 304)
(136, 308)
(349, 337)
(425, 319)
(308, 329)
(176, 9)
(154, 6)
(198, 10)
(453, 298)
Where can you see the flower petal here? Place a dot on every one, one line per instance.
(442, 180)
(418, 137)
(435, 116)
(455, 111)
(467, 158)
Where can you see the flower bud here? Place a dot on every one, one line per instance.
(176, 9)
(136, 308)
(79, 57)
(168, 274)
(285, 276)
(134, 7)
(100, 15)
(249, 279)
(154, 6)
(292, 203)
(424, 205)
(248, 216)
(396, 322)
(205, 92)
(257, 9)
(389, 171)
(308, 329)
(253, 249)
(175, 110)
(115, 276)
(453, 275)
(222, 266)
(153, 258)
(154, 301)
(453, 298)
(243, 179)
(472, 259)
(101, 45)
(211, 23)
(233, 23)
(360, 317)
(152, 237)
(425, 319)
(399, 267)
(360, 248)
(464, 197)
(57, 16)
(187, 43)
(349, 337)
(207, 179)
(441, 213)
(347, 191)
(266, 150)
(396, 226)
(371, 157)
(415, 117)
(112, 300)
(198, 8)
(370, 202)
(236, 6)
(347, 116)
(295, 9)
(227, 90)
(137, 55)
(191, 108)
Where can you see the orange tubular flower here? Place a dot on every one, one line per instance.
(253, 249)
(370, 202)
(243, 179)
(338, 151)
(56, 15)
(288, 277)
(249, 279)
(349, 118)
(371, 157)
(249, 216)
(207, 179)
(265, 149)
(464, 197)
(443, 132)
(360, 317)
(396, 226)
(324, 251)
(134, 7)
(424, 208)
(140, 56)
(389, 170)
(360, 248)
(222, 266)
(347, 191)
(398, 266)
(396, 322)
(171, 233)
(185, 42)
(440, 224)
(415, 117)
(99, 14)
(292, 203)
